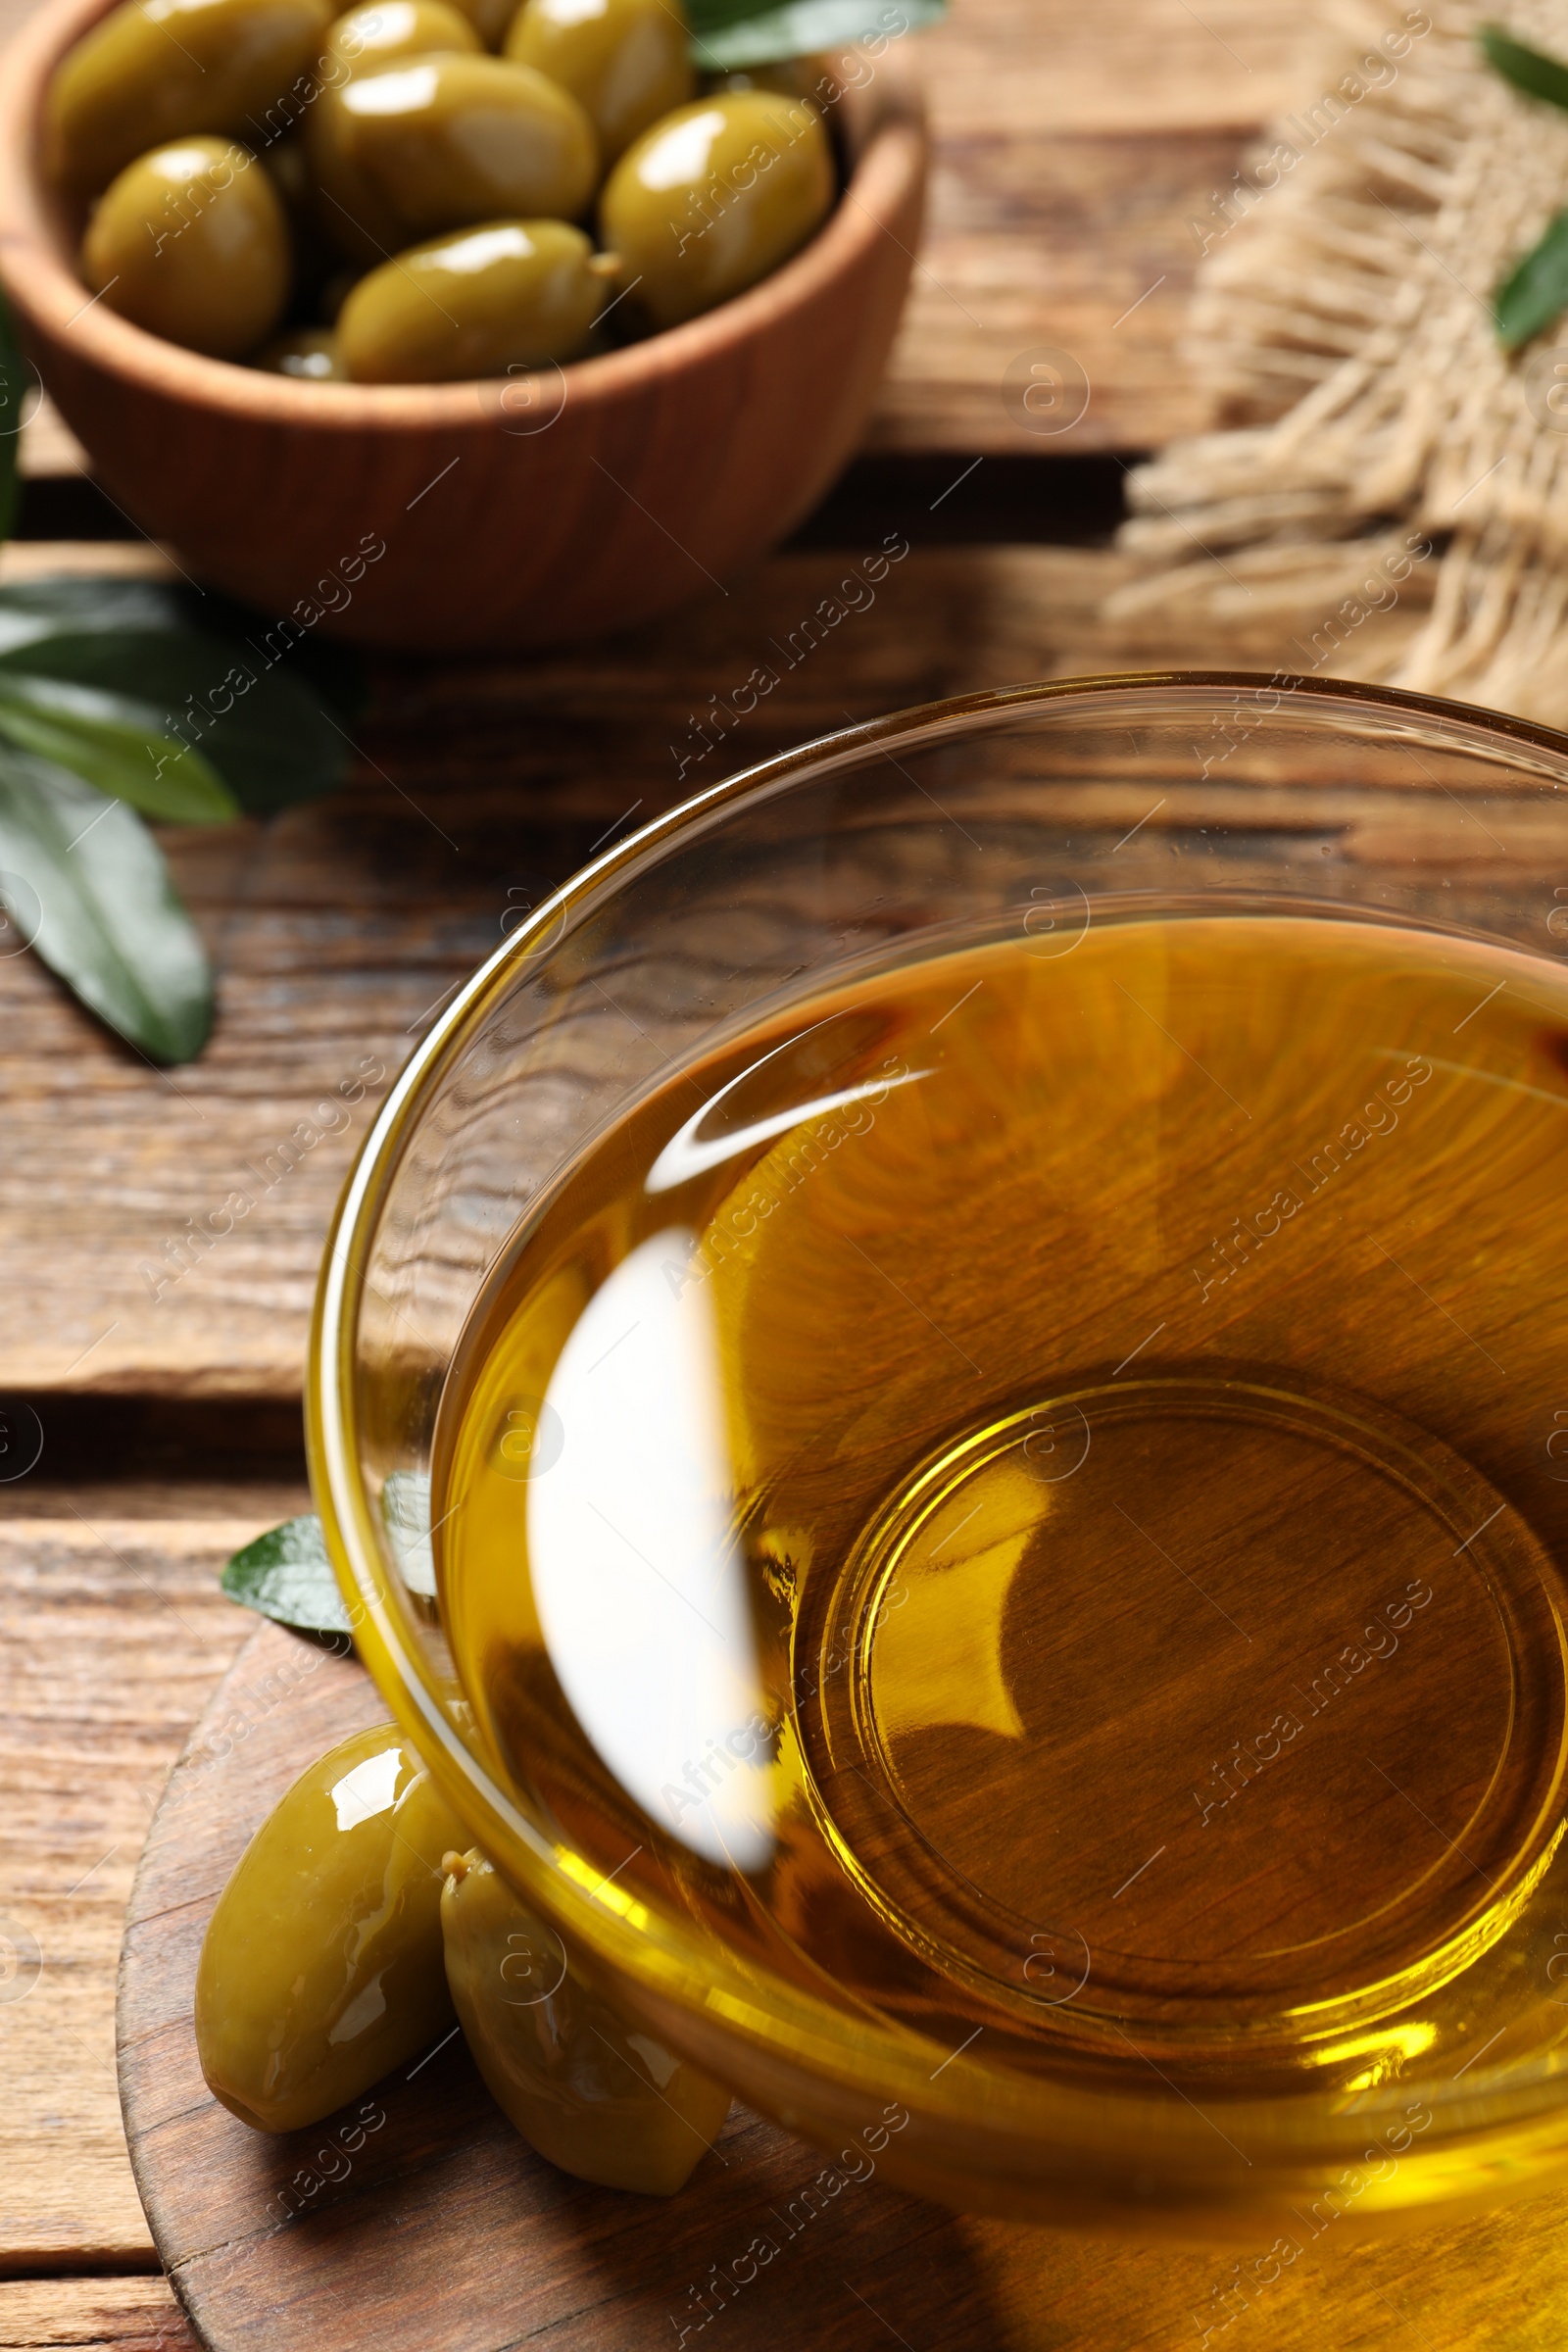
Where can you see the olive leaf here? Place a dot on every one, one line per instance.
(125, 695)
(1529, 70)
(1535, 291)
(727, 34)
(86, 886)
(287, 1576)
(116, 744)
(262, 707)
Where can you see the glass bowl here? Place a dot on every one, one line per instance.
(1336, 1989)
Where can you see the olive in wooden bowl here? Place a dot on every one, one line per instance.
(544, 499)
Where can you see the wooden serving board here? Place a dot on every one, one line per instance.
(418, 2218)
(418, 2221)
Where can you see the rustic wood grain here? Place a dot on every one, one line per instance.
(102, 2315)
(1073, 147)
(447, 2228)
(339, 929)
(49, 447)
(113, 1634)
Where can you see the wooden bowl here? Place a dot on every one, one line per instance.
(514, 511)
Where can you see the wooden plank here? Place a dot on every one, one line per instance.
(105, 2315)
(49, 447)
(23, 559)
(444, 2226)
(1072, 147)
(1079, 245)
(113, 1634)
(338, 929)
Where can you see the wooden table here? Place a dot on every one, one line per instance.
(1073, 146)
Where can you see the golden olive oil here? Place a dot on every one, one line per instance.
(1023, 1493)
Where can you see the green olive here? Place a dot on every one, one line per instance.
(310, 354)
(156, 69)
(590, 2092)
(475, 302)
(446, 141)
(321, 1968)
(489, 18)
(716, 196)
(626, 62)
(191, 242)
(398, 29)
(349, 208)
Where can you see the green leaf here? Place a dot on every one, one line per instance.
(1529, 70)
(16, 381)
(85, 883)
(256, 700)
(286, 1575)
(1537, 291)
(114, 743)
(34, 608)
(727, 34)
(273, 745)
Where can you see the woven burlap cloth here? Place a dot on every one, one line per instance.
(1385, 459)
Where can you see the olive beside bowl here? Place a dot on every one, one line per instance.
(500, 513)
